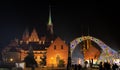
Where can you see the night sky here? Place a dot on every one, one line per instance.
(70, 20)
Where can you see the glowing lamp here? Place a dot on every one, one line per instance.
(11, 59)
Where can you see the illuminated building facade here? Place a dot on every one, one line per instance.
(58, 50)
(11, 52)
(41, 46)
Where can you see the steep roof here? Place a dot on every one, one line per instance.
(34, 36)
(58, 42)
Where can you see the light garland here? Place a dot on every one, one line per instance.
(107, 52)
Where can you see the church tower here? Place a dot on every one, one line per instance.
(50, 25)
(50, 32)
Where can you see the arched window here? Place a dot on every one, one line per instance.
(61, 46)
(54, 47)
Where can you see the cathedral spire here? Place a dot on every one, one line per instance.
(50, 25)
(50, 20)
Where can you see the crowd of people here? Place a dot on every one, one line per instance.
(80, 67)
(108, 66)
(101, 66)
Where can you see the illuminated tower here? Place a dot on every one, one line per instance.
(50, 32)
(50, 25)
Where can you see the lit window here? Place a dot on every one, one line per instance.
(54, 47)
(39, 42)
(51, 41)
(37, 39)
(43, 42)
(35, 57)
(27, 42)
(21, 42)
(61, 46)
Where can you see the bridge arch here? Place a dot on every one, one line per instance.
(106, 54)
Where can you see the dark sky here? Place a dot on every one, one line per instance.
(70, 20)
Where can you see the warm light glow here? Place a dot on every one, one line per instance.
(21, 42)
(43, 42)
(117, 61)
(39, 42)
(46, 48)
(11, 59)
(53, 61)
(51, 58)
(27, 42)
(94, 61)
(51, 41)
(79, 61)
(64, 41)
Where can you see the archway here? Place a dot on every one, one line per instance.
(107, 53)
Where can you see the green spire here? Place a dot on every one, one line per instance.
(50, 20)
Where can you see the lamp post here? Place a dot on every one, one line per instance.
(69, 59)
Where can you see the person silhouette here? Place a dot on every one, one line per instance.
(100, 66)
(115, 66)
